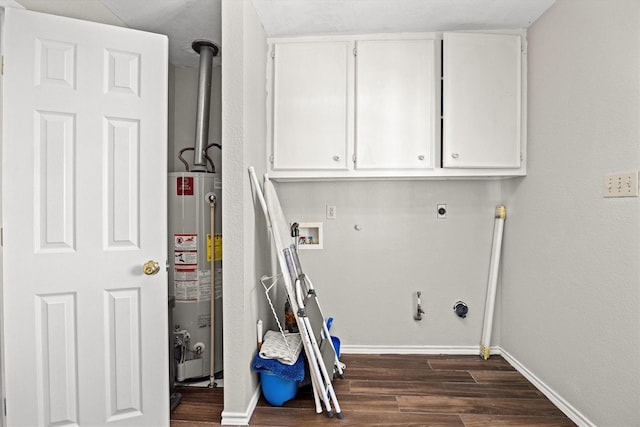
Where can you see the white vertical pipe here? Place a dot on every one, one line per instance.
(492, 285)
(212, 358)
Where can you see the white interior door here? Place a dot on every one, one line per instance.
(84, 206)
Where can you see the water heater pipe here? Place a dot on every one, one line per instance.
(212, 357)
(207, 51)
(498, 228)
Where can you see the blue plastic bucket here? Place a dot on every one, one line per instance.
(276, 389)
(336, 345)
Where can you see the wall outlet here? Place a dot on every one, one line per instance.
(331, 212)
(441, 211)
(624, 184)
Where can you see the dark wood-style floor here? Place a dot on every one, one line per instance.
(400, 390)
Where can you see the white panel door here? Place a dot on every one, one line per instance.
(482, 100)
(84, 207)
(311, 105)
(395, 104)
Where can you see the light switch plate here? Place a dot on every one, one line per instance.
(623, 184)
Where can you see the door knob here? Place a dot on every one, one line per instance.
(151, 267)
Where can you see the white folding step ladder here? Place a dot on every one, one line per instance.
(318, 346)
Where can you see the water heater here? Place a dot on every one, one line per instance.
(194, 248)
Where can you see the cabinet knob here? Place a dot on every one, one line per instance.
(421, 157)
(336, 158)
(454, 155)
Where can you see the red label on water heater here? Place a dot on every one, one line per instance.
(184, 186)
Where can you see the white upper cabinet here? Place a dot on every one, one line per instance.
(395, 104)
(409, 105)
(311, 127)
(482, 103)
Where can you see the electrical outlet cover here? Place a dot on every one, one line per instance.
(331, 212)
(624, 184)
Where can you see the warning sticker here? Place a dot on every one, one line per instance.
(217, 247)
(184, 186)
(185, 274)
(204, 320)
(185, 284)
(218, 279)
(185, 257)
(205, 285)
(185, 241)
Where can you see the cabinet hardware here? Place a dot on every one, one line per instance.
(455, 155)
(421, 157)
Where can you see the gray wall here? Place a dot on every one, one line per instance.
(367, 279)
(245, 240)
(570, 283)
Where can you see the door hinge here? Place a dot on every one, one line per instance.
(271, 159)
(2, 65)
(355, 51)
(2, 237)
(273, 53)
(353, 158)
(4, 403)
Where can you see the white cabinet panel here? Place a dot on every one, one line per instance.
(395, 104)
(311, 105)
(482, 107)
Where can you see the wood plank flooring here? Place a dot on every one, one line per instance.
(400, 390)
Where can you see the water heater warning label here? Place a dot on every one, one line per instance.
(185, 241)
(184, 186)
(186, 285)
(185, 258)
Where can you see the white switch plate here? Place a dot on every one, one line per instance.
(331, 212)
(624, 184)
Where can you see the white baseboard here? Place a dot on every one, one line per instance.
(554, 397)
(242, 418)
(414, 349)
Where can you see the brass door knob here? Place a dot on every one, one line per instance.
(151, 267)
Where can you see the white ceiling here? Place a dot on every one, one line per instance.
(186, 20)
(312, 17)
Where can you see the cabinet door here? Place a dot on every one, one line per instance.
(395, 104)
(310, 106)
(481, 100)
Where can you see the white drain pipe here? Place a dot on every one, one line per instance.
(492, 285)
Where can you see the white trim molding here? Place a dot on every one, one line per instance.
(415, 349)
(10, 3)
(241, 418)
